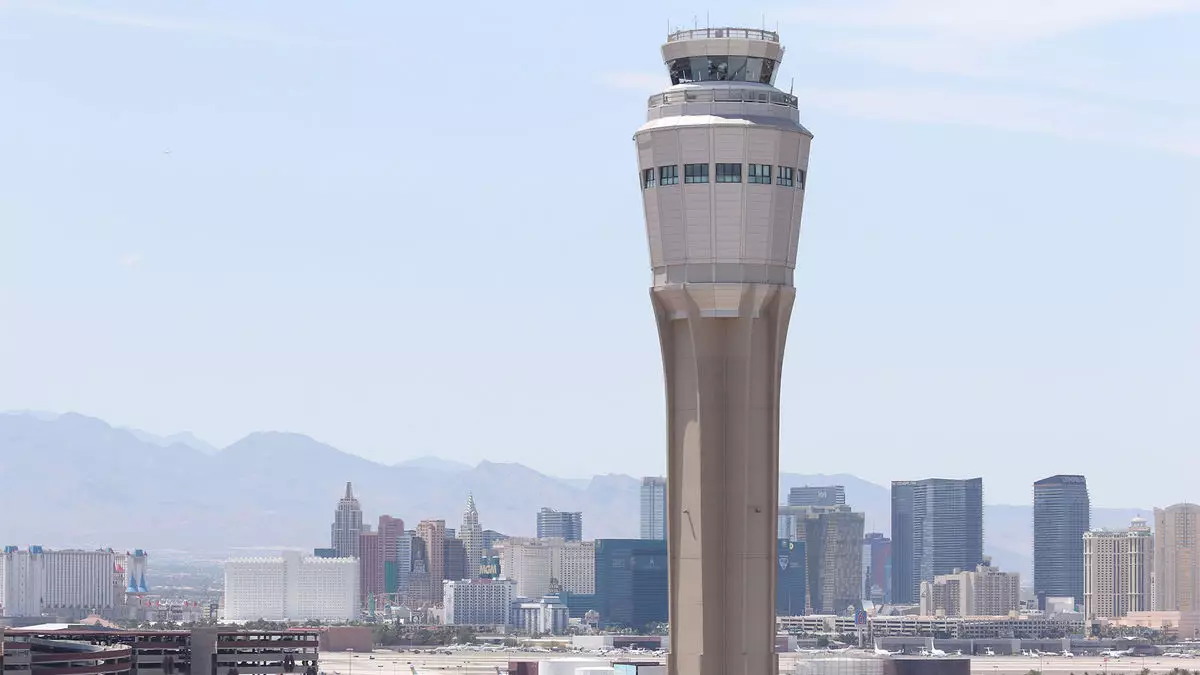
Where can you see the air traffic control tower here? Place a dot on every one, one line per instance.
(722, 164)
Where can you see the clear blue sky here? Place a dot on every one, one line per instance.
(414, 228)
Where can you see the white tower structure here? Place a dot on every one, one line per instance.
(722, 163)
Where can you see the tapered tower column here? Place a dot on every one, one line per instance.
(723, 161)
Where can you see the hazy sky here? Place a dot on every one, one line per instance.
(411, 228)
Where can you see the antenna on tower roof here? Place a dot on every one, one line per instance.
(792, 87)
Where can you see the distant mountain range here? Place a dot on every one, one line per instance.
(77, 481)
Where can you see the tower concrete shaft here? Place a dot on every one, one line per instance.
(723, 163)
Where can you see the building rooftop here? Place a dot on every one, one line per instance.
(723, 34)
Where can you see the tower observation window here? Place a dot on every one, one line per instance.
(695, 173)
(786, 176)
(760, 173)
(647, 178)
(801, 177)
(722, 69)
(668, 175)
(729, 173)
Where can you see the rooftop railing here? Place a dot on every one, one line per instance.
(723, 33)
(724, 96)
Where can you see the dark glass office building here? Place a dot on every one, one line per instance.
(631, 582)
(1061, 514)
(791, 582)
(904, 592)
(937, 527)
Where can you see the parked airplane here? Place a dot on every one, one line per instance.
(884, 652)
(933, 650)
(1114, 653)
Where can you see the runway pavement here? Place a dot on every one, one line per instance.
(388, 662)
(1128, 665)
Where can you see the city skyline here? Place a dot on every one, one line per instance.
(192, 301)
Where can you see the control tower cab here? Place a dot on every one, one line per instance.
(723, 162)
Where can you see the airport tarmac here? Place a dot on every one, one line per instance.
(389, 662)
(1127, 665)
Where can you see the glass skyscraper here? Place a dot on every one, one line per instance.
(791, 584)
(937, 527)
(1061, 514)
(631, 582)
(566, 525)
(654, 508)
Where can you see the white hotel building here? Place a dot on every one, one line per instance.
(291, 587)
(41, 581)
(481, 602)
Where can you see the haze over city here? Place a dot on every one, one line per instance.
(327, 333)
(233, 218)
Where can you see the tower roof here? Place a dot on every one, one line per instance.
(1062, 479)
(349, 491)
(727, 33)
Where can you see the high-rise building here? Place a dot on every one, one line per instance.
(433, 533)
(904, 574)
(877, 568)
(566, 525)
(1061, 514)
(791, 586)
(370, 566)
(479, 602)
(937, 527)
(820, 495)
(654, 508)
(347, 524)
(1116, 571)
(1177, 558)
(573, 566)
(454, 560)
(69, 582)
(417, 587)
(544, 566)
(471, 534)
(631, 582)
(526, 562)
(291, 587)
(832, 537)
(391, 531)
(983, 591)
(722, 163)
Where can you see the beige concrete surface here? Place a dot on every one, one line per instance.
(387, 662)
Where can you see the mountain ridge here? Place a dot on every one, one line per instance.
(121, 487)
